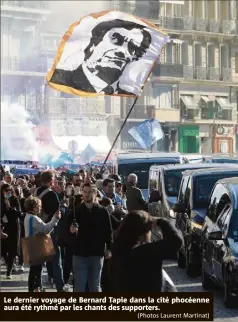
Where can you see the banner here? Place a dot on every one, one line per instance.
(106, 53)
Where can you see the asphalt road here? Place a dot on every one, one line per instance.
(186, 284)
(179, 277)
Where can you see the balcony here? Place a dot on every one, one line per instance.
(201, 24)
(214, 26)
(14, 64)
(85, 106)
(138, 113)
(200, 73)
(226, 74)
(188, 72)
(172, 23)
(213, 73)
(168, 70)
(76, 107)
(229, 27)
(42, 5)
(168, 115)
(187, 23)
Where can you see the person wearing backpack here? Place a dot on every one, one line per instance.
(50, 205)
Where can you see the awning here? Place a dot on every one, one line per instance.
(224, 103)
(206, 99)
(189, 102)
(100, 144)
(209, 103)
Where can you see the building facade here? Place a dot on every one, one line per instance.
(194, 88)
(193, 91)
(23, 67)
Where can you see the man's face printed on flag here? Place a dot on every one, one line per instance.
(110, 52)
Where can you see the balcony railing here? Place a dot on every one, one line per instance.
(188, 72)
(31, 65)
(201, 24)
(43, 5)
(200, 72)
(213, 73)
(227, 27)
(214, 25)
(168, 70)
(226, 74)
(76, 106)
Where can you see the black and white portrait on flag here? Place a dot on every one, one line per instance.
(112, 54)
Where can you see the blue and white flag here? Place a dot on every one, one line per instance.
(147, 133)
(87, 155)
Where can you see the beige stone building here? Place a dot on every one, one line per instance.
(194, 89)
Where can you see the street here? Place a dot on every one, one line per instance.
(179, 277)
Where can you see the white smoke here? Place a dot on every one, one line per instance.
(17, 138)
(18, 141)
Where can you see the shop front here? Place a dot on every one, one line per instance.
(188, 139)
(223, 139)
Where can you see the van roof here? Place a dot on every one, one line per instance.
(190, 166)
(148, 155)
(207, 171)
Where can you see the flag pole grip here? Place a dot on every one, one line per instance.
(118, 134)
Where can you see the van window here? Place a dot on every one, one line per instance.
(184, 183)
(204, 185)
(187, 193)
(172, 180)
(152, 181)
(218, 192)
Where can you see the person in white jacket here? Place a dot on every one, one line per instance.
(33, 225)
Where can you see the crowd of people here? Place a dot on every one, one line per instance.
(99, 226)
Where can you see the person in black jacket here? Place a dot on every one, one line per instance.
(10, 221)
(93, 232)
(136, 263)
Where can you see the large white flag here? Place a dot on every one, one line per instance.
(108, 53)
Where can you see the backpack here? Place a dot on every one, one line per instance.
(42, 214)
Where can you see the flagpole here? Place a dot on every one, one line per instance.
(118, 134)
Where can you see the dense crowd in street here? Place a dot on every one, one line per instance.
(100, 230)
(106, 236)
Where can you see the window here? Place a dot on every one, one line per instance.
(169, 53)
(236, 62)
(198, 55)
(224, 57)
(172, 180)
(203, 189)
(172, 53)
(210, 55)
(185, 60)
(153, 181)
(183, 188)
(177, 10)
(187, 193)
(164, 96)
